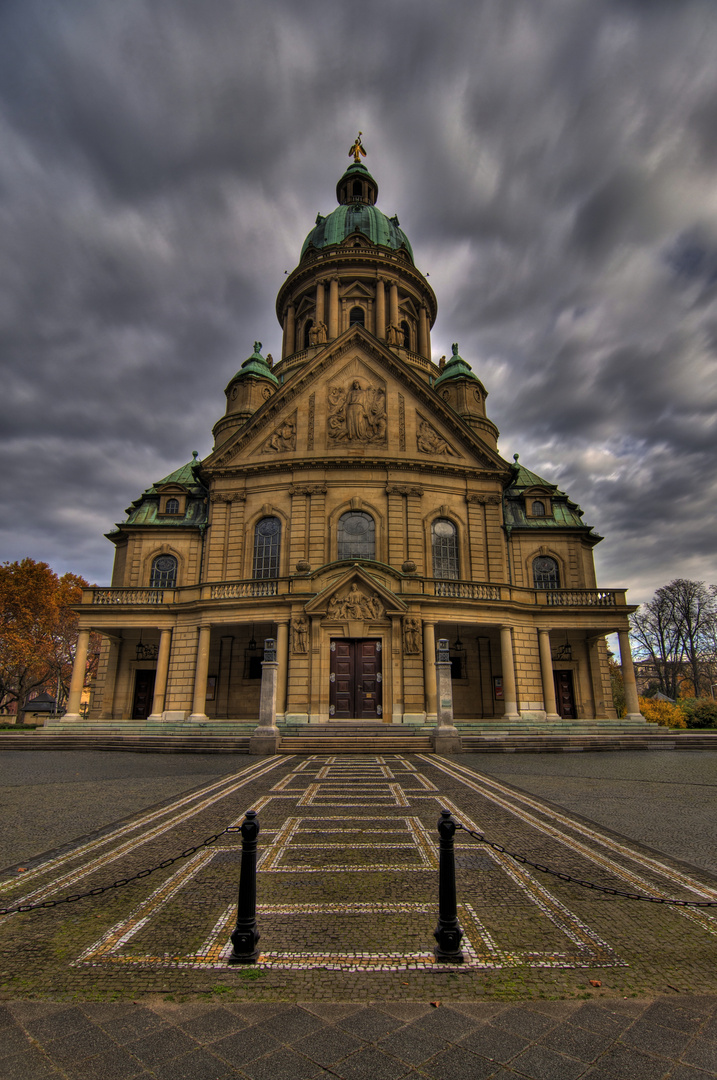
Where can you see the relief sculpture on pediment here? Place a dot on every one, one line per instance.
(355, 606)
(429, 441)
(357, 413)
(283, 439)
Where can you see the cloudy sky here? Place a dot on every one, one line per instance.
(552, 161)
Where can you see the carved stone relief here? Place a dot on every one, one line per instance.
(429, 441)
(355, 605)
(357, 413)
(300, 635)
(283, 439)
(412, 635)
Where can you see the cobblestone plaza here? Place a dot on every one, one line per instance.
(347, 905)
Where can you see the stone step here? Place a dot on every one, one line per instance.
(354, 745)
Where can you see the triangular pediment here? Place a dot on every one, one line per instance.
(357, 290)
(357, 399)
(355, 595)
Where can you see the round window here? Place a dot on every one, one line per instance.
(443, 528)
(165, 562)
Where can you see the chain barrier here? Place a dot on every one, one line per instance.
(580, 881)
(122, 881)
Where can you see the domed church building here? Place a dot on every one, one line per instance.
(354, 510)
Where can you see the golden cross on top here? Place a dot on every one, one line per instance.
(357, 149)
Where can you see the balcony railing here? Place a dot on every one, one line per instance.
(410, 586)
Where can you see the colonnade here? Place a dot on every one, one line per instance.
(201, 670)
(386, 313)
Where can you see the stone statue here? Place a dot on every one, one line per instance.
(394, 336)
(337, 608)
(411, 635)
(357, 151)
(430, 442)
(357, 414)
(318, 334)
(300, 634)
(283, 439)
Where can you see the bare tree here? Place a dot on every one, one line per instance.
(677, 632)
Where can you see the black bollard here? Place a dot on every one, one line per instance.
(245, 936)
(448, 933)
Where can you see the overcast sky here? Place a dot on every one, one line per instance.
(553, 163)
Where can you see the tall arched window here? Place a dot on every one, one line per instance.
(307, 332)
(545, 573)
(357, 189)
(357, 536)
(357, 317)
(538, 509)
(164, 572)
(406, 332)
(172, 506)
(267, 548)
(444, 538)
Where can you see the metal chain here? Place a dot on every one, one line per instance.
(579, 881)
(122, 881)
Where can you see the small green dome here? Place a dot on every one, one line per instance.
(368, 220)
(456, 368)
(257, 366)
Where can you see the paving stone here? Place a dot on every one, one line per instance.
(655, 1039)
(685, 1072)
(540, 1063)
(621, 1062)
(283, 1064)
(600, 1019)
(669, 1013)
(160, 1046)
(412, 1045)
(291, 1025)
(525, 1022)
(369, 1024)
(408, 1010)
(133, 1025)
(79, 1045)
(196, 1065)
(244, 1047)
(701, 1053)
(576, 1042)
(212, 1024)
(58, 1024)
(334, 1045)
(13, 1040)
(459, 1064)
(332, 1011)
(371, 1064)
(114, 1064)
(493, 1043)
(31, 1065)
(444, 1023)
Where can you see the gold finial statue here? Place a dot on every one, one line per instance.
(357, 149)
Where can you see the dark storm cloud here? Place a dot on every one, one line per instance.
(552, 165)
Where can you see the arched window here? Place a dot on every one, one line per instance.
(406, 331)
(545, 573)
(307, 332)
(357, 536)
(172, 506)
(164, 572)
(538, 508)
(357, 317)
(357, 189)
(444, 538)
(267, 548)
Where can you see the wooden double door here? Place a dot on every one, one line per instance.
(565, 695)
(356, 679)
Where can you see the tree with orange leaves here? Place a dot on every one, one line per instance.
(38, 632)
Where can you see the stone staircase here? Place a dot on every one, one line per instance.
(348, 738)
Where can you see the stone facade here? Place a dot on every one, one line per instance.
(355, 508)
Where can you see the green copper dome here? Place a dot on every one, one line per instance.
(368, 220)
(357, 213)
(257, 366)
(456, 368)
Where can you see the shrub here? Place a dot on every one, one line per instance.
(663, 713)
(700, 712)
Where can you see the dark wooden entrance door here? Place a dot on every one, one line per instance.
(564, 696)
(143, 694)
(355, 692)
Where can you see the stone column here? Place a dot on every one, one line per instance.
(510, 696)
(77, 683)
(319, 303)
(290, 338)
(265, 738)
(546, 673)
(380, 311)
(423, 332)
(282, 660)
(628, 677)
(393, 305)
(201, 671)
(446, 739)
(429, 669)
(333, 327)
(108, 692)
(160, 681)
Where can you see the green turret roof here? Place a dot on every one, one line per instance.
(456, 368)
(566, 514)
(145, 509)
(256, 367)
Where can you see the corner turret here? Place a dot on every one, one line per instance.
(253, 384)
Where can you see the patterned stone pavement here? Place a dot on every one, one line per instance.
(134, 981)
